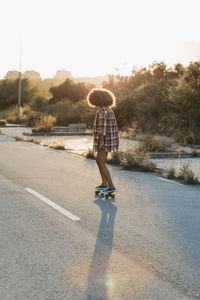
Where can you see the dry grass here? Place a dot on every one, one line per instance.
(19, 138)
(54, 144)
(171, 173)
(33, 141)
(3, 123)
(90, 154)
(138, 161)
(187, 174)
(151, 144)
(44, 124)
(115, 158)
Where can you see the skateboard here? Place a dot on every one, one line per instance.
(107, 195)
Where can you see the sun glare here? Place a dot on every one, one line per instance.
(94, 37)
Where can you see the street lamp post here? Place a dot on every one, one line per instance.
(20, 88)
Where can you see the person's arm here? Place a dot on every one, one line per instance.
(101, 141)
(102, 128)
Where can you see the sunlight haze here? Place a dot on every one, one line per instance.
(92, 37)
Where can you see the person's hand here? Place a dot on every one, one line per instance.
(100, 146)
(101, 142)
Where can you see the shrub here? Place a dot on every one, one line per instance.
(33, 141)
(90, 154)
(187, 174)
(171, 173)
(138, 161)
(44, 124)
(55, 144)
(3, 123)
(31, 117)
(38, 103)
(150, 144)
(18, 138)
(13, 117)
(115, 157)
(195, 153)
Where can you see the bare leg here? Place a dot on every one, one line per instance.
(100, 158)
(105, 174)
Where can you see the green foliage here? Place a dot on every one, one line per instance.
(154, 100)
(38, 103)
(187, 174)
(184, 100)
(69, 89)
(9, 92)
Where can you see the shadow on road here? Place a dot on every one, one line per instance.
(98, 283)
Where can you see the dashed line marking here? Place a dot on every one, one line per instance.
(54, 205)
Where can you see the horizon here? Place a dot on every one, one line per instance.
(93, 38)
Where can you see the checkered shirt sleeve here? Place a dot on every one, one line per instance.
(102, 123)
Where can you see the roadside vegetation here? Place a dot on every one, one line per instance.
(154, 101)
(44, 124)
(187, 174)
(3, 123)
(132, 159)
(54, 144)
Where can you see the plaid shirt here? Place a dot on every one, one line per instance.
(105, 123)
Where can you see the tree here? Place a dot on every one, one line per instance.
(9, 92)
(60, 74)
(12, 75)
(32, 75)
(69, 89)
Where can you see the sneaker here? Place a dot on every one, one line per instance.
(100, 187)
(108, 190)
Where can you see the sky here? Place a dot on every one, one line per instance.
(96, 37)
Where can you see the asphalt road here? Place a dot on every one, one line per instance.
(143, 245)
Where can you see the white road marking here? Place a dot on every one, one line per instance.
(52, 204)
(170, 181)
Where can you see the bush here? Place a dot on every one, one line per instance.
(115, 157)
(90, 154)
(55, 144)
(44, 124)
(3, 123)
(38, 103)
(138, 161)
(19, 138)
(171, 173)
(13, 117)
(187, 174)
(33, 141)
(150, 144)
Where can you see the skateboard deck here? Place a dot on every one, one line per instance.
(107, 195)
